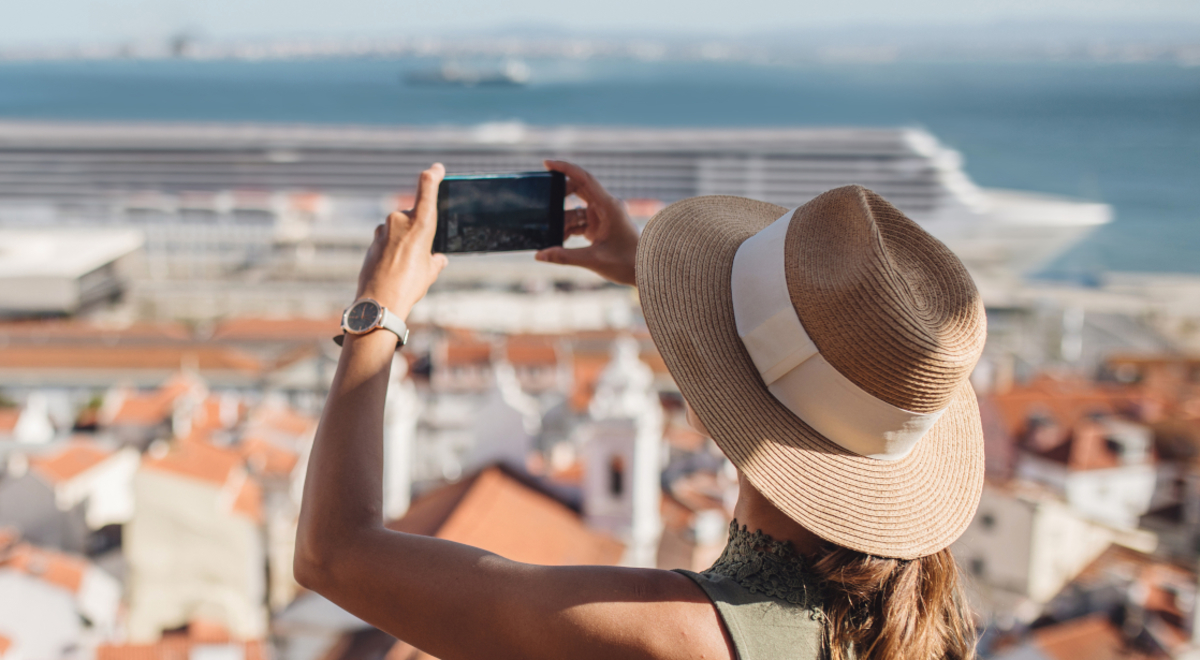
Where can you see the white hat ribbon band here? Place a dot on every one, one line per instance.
(793, 368)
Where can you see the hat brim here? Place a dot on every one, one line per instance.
(906, 508)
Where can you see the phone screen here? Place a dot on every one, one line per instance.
(500, 212)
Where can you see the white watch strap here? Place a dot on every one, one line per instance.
(394, 323)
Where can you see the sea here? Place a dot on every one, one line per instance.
(1127, 134)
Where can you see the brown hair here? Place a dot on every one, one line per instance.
(887, 609)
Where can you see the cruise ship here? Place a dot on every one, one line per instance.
(297, 202)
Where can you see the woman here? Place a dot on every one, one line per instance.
(825, 349)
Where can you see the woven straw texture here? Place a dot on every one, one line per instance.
(889, 306)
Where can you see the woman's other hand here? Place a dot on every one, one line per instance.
(400, 267)
(605, 223)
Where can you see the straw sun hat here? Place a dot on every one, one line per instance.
(827, 350)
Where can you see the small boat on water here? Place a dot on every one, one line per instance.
(513, 73)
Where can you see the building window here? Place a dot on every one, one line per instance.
(616, 476)
(987, 520)
(977, 567)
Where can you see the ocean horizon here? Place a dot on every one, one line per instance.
(1124, 134)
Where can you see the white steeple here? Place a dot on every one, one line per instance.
(400, 413)
(622, 455)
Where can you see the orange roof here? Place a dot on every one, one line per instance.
(281, 418)
(151, 408)
(196, 459)
(208, 413)
(58, 330)
(69, 462)
(143, 409)
(1093, 637)
(571, 474)
(464, 352)
(587, 372)
(159, 357)
(655, 361)
(208, 632)
(8, 536)
(57, 568)
(530, 351)
(1066, 401)
(8, 419)
(170, 647)
(249, 500)
(282, 329)
(266, 457)
(496, 512)
(643, 208)
(5, 644)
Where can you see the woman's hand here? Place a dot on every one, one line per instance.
(400, 267)
(605, 223)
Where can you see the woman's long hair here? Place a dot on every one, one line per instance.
(892, 609)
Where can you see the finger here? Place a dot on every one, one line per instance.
(440, 261)
(579, 181)
(575, 222)
(566, 256)
(425, 208)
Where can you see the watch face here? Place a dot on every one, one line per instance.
(362, 316)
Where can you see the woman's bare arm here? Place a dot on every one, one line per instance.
(449, 599)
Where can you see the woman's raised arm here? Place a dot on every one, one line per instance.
(448, 599)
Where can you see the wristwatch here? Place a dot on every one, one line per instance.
(366, 315)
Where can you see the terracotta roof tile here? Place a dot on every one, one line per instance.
(571, 474)
(8, 419)
(643, 208)
(1066, 401)
(500, 514)
(249, 500)
(70, 461)
(196, 459)
(59, 330)
(281, 329)
(57, 568)
(587, 372)
(655, 361)
(155, 407)
(530, 351)
(5, 645)
(209, 414)
(170, 647)
(266, 457)
(1093, 637)
(205, 631)
(142, 409)
(205, 357)
(430, 511)
(283, 419)
(466, 352)
(8, 537)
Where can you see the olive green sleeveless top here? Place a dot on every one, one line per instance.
(768, 599)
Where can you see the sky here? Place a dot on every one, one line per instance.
(62, 22)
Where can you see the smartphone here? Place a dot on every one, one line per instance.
(500, 212)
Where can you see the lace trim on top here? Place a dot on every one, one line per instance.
(762, 565)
